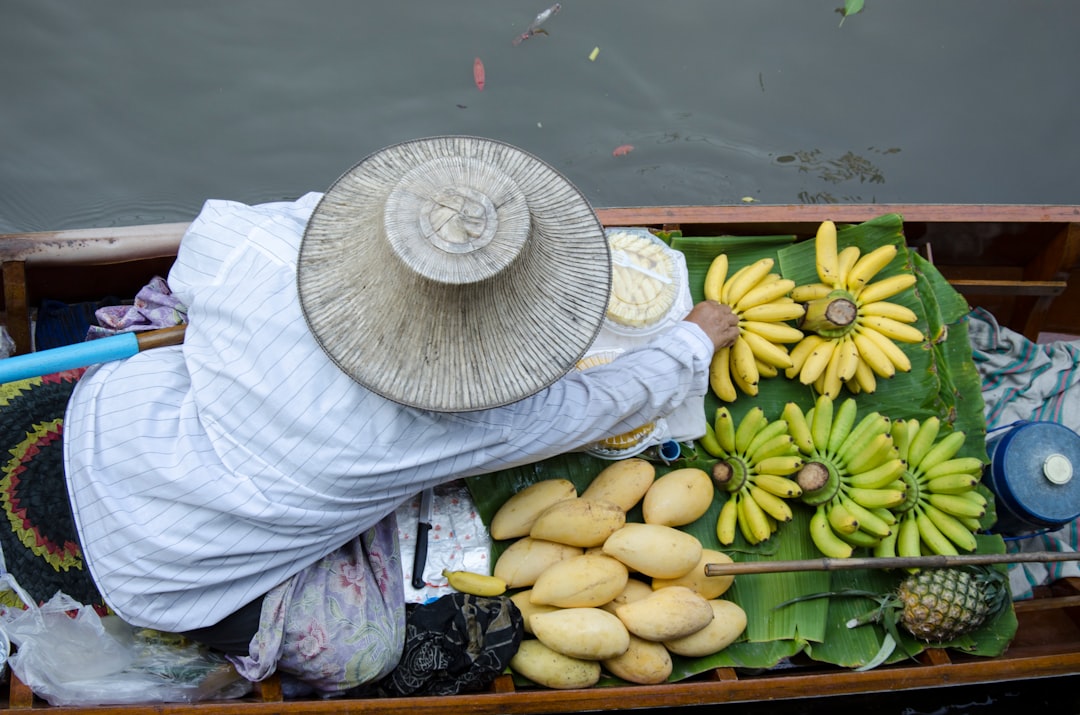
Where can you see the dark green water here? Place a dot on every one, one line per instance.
(117, 112)
(133, 111)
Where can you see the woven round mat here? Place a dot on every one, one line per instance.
(40, 543)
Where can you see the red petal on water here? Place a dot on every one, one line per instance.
(623, 149)
(478, 73)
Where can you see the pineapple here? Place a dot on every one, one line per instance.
(938, 605)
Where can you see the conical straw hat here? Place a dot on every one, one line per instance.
(454, 273)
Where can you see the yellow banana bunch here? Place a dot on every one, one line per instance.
(852, 476)
(759, 298)
(942, 510)
(755, 458)
(851, 328)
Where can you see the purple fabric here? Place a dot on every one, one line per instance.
(154, 307)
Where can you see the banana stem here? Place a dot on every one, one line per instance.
(829, 315)
(895, 562)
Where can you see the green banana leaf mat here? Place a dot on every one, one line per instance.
(943, 381)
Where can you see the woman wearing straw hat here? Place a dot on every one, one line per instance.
(413, 325)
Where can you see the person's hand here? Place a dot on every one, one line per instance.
(718, 322)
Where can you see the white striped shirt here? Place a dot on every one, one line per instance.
(205, 474)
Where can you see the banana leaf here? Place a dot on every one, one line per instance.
(943, 382)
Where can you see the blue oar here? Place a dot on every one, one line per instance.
(69, 357)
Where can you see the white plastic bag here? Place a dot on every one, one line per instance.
(68, 655)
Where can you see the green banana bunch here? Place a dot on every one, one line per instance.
(852, 476)
(943, 509)
(755, 458)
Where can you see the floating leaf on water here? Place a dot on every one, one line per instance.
(851, 7)
(594, 54)
(748, 200)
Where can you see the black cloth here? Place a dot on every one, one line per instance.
(231, 635)
(456, 644)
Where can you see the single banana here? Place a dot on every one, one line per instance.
(845, 260)
(885, 548)
(945, 449)
(922, 439)
(727, 521)
(951, 528)
(771, 504)
(870, 353)
(766, 351)
(774, 332)
(810, 291)
(892, 351)
(715, 277)
(769, 443)
(741, 283)
(800, 352)
(956, 505)
(893, 329)
(901, 434)
(720, 381)
(874, 498)
(764, 293)
(956, 465)
(830, 377)
(774, 312)
(752, 422)
(780, 486)
(957, 483)
(868, 520)
(742, 363)
(859, 437)
(824, 538)
(878, 477)
(878, 450)
(741, 383)
(974, 497)
(709, 442)
(755, 518)
(937, 542)
(475, 583)
(908, 540)
(843, 423)
(821, 422)
(886, 309)
(724, 427)
(765, 371)
(816, 362)
(781, 466)
(864, 375)
(885, 288)
(849, 358)
(861, 539)
(825, 256)
(868, 266)
(841, 520)
(798, 427)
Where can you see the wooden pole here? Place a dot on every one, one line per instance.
(897, 562)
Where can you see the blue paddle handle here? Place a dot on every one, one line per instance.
(68, 357)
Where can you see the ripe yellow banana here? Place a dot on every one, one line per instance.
(771, 504)
(885, 288)
(885, 309)
(811, 291)
(868, 266)
(765, 351)
(727, 521)
(742, 364)
(893, 329)
(848, 359)
(825, 256)
(845, 260)
(800, 352)
(780, 466)
(765, 371)
(715, 277)
(892, 351)
(764, 293)
(864, 376)
(816, 362)
(774, 312)
(933, 538)
(772, 332)
(724, 428)
(747, 388)
(740, 284)
(753, 515)
(824, 538)
(869, 351)
(720, 375)
(830, 382)
(475, 583)
(749, 426)
(780, 486)
(772, 440)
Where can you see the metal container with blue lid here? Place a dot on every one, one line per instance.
(1033, 474)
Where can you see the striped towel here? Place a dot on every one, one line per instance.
(1023, 380)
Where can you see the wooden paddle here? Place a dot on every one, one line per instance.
(897, 562)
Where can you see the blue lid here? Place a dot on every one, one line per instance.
(1035, 473)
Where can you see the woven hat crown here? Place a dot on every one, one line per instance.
(454, 273)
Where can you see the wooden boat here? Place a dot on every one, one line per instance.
(1017, 261)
